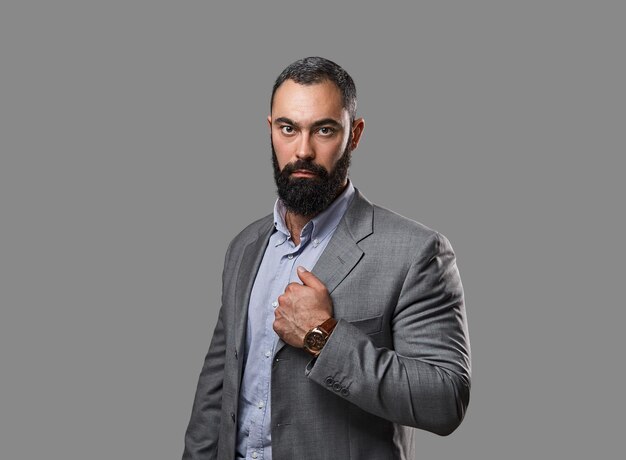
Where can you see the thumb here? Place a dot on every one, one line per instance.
(308, 278)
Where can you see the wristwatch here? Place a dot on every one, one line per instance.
(316, 338)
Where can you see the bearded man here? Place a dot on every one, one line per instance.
(342, 328)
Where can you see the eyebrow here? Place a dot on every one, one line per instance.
(316, 124)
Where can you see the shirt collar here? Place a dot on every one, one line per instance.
(321, 225)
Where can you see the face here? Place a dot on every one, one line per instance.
(312, 140)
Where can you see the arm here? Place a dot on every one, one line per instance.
(424, 381)
(203, 429)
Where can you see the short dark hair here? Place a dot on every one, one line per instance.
(311, 70)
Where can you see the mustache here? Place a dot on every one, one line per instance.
(304, 165)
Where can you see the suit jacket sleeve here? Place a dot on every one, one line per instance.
(202, 432)
(424, 380)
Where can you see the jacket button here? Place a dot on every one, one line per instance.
(329, 381)
(236, 354)
(232, 415)
(337, 387)
(344, 391)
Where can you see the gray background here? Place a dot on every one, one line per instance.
(134, 146)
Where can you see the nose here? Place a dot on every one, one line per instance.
(305, 150)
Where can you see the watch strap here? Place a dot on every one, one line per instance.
(328, 325)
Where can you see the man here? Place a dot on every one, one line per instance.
(342, 326)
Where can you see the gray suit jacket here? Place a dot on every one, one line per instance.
(399, 358)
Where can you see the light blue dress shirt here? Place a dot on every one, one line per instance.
(277, 270)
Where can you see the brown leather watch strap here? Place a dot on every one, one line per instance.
(328, 325)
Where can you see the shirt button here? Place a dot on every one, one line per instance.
(254, 454)
(260, 406)
(274, 304)
(290, 256)
(316, 242)
(268, 354)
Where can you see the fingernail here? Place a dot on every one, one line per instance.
(301, 269)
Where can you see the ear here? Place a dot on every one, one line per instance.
(357, 131)
(269, 122)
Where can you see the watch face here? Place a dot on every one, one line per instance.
(314, 340)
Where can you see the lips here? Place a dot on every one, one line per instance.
(303, 173)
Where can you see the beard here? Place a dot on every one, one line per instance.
(310, 196)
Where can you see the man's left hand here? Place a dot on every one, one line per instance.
(301, 308)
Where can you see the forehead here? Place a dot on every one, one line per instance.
(307, 103)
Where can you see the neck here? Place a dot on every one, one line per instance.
(295, 224)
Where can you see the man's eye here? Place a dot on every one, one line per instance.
(325, 131)
(287, 129)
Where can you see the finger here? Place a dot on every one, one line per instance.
(276, 327)
(282, 301)
(291, 286)
(309, 279)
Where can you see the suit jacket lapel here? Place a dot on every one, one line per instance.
(343, 252)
